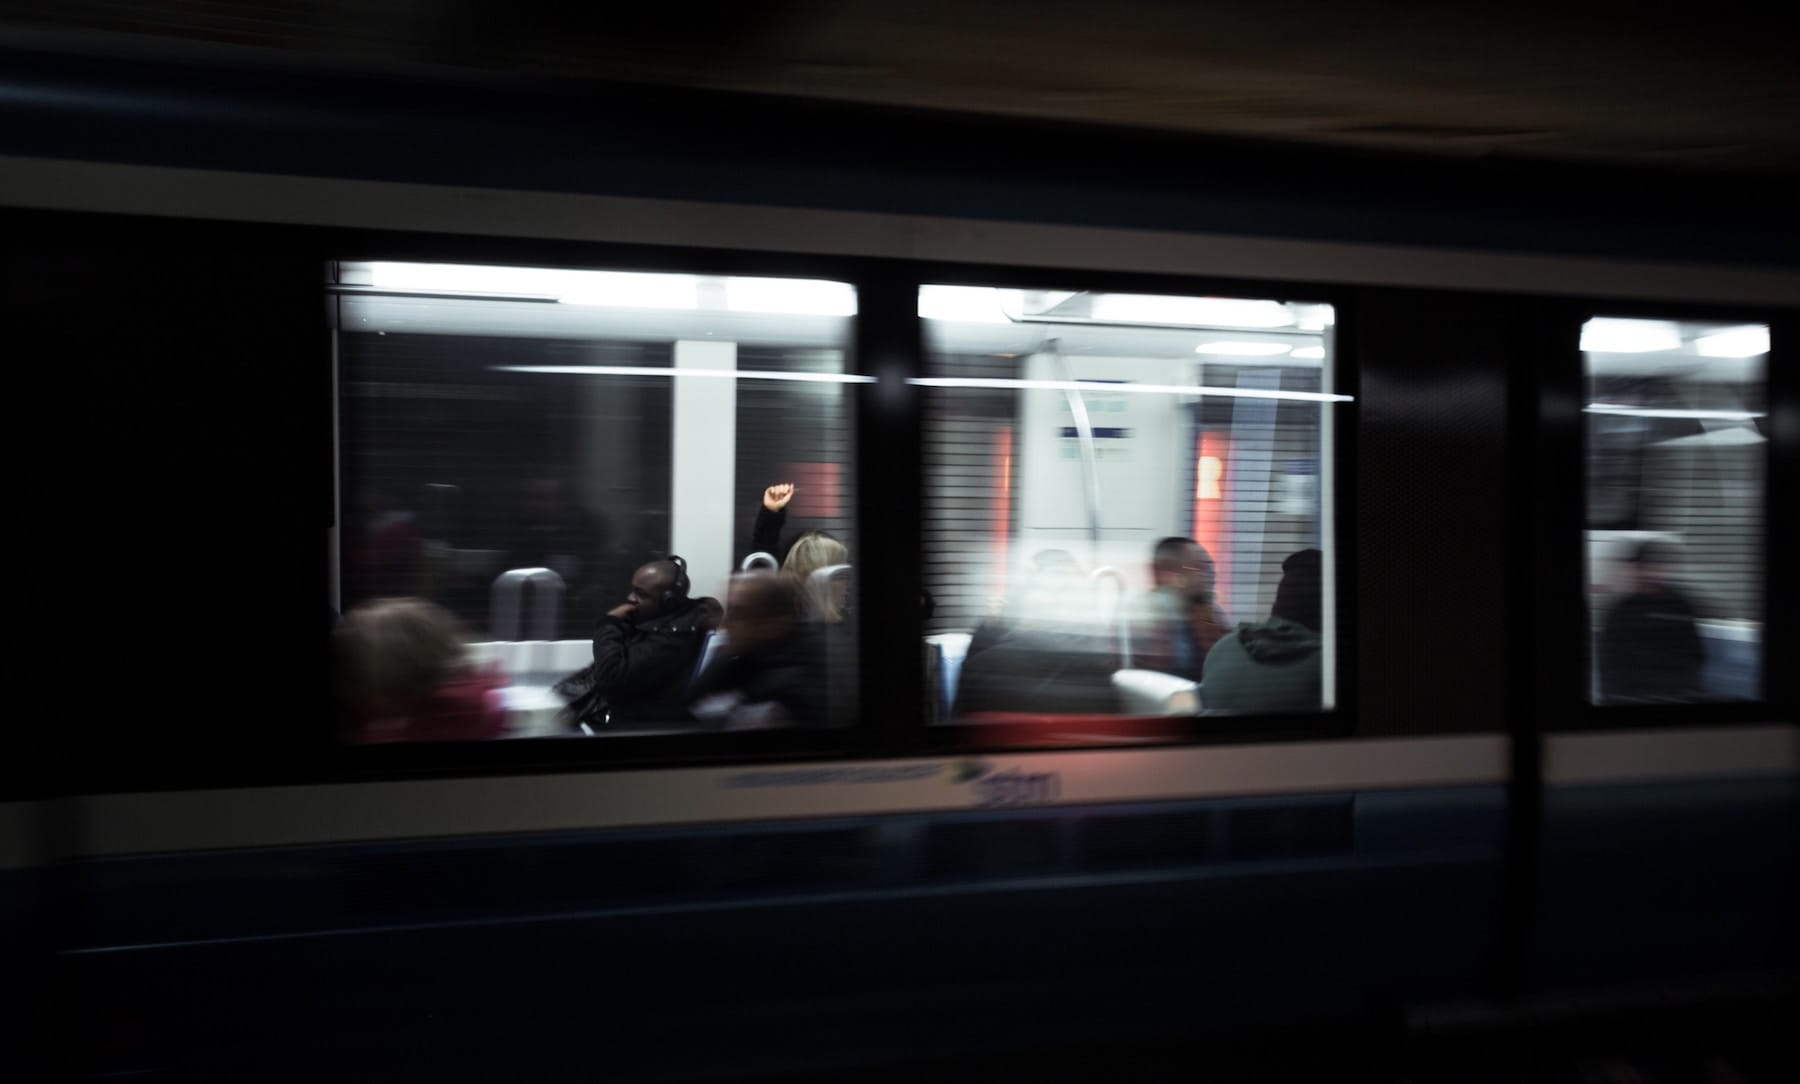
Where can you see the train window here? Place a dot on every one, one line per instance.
(569, 471)
(1128, 506)
(1676, 451)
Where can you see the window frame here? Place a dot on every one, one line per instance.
(1563, 586)
(1127, 732)
(888, 342)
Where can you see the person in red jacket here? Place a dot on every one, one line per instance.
(403, 674)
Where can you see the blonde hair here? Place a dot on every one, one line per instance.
(393, 653)
(812, 551)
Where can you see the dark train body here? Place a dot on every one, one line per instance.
(204, 880)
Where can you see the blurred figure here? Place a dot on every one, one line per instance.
(771, 672)
(1650, 650)
(645, 651)
(1274, 666)
(1178, 622)
(1046, 652)
(554, 532)
(383, 548)
(403, 674)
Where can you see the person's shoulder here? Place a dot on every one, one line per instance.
(701, 614)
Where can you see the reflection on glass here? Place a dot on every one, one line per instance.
(1675, 458)
(1128, 505)
(569, 468)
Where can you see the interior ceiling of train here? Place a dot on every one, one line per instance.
(1680, 86)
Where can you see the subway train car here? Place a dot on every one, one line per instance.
(1475, 471)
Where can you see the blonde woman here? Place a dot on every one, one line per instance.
(804, 555)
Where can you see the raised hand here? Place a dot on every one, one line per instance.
(776, 497)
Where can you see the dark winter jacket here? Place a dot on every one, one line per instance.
(1273, 666)
(642, 668)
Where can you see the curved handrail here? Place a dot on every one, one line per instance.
(1118, 617)
(818, 585)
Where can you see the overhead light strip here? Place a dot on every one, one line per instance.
(716, 374)
(1129, 389)
(1658, 412)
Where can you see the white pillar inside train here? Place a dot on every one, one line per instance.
(704, 471)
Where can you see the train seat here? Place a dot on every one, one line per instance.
(1152, 692)
(950, 649)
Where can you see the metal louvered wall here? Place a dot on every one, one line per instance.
(795, 432)
(1265, 518)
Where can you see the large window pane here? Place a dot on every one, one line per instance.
(1128, 505)
(1676, 448)
(523, 450)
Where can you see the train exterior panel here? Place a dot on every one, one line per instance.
(206, 874)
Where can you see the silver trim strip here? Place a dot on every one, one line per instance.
(160, 190)
(122, 824)
(1616, 757)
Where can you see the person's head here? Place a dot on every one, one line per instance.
(658, 587)
(393, 653)
(1300, 596)
(1183, 565)
(812, 551)
(761, 608)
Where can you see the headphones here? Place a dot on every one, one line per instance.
(678, 589)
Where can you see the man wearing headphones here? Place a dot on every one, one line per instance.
(645, 650)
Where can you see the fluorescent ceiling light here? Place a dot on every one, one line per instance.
(1194, 311)
(1315, 317)
(796, 297)
(626, 290)
(963, 304)
(617, 289)
(1658, 412)
(1313, 353)
(468, 279)
(1605, 336)
(1242, 349)
(717, 374)
(1737, 342)
(1107, 388)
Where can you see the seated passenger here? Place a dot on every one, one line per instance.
(1045, 652)
(403, 675)
(1274, 666)
(645, 650)
(826, 605)
(1650, 650)
(1178, 622)
(771, 671)
(812, 551)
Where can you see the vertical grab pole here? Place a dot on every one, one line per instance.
(1084, 432)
